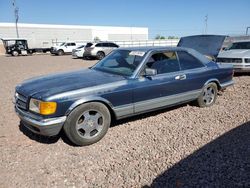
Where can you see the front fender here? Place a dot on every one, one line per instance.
(88, 99)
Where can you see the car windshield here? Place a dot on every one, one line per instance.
(89, 44)
(62, 44)
(80, 47)
(121, 62)
(240, 45)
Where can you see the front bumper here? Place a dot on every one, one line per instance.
(46, 127)
(243, 69)
(238, 67)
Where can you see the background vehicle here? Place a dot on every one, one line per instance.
(127, 82)
(238, 55)
(19, 46)
(78, 52)
(99, 50)
(65, 48)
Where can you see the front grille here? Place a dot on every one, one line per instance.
(21, 101)
(229, 60)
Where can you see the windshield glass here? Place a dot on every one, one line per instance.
(240, 45)
(89, 44)
(121, 62)
(62, 44)
(80, 47)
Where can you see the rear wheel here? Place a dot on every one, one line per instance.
(100, 55)
(208, 95)
(88, 123)
(15, 53)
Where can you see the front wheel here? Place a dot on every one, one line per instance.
(88, 123)
(208, 95)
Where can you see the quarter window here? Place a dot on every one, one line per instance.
(99, 45)
(187, 61)
(166, 62)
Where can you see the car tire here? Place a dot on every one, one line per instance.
(60, 52)
(87, 123)
(208, 95)
(15, 53)
(100, 55)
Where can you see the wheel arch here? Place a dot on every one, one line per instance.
(101, 52)
(213, 80)
(79, 102)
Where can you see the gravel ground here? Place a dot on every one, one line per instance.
(185, 146)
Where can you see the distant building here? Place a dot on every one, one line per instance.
(44, 35)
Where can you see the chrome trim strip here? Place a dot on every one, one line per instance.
(165, 101)
(138, 107)
(226, 84)
(123, 110)
(43, 122)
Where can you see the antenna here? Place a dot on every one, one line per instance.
(16, 9)
(206, 18)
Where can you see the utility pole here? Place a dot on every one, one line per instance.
(16, 16)
(206, 18)
(247, 30)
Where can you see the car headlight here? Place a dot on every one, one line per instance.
(41, 107)
(247, 60)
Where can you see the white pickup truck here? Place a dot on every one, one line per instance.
(238, 55)
(65, 48)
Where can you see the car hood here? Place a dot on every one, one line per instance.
(46, 86)
(209, 45)
(237, 53)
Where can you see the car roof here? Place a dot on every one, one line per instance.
(147, 49)
(13, 39)
(153, 48)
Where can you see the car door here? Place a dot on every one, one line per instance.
(196, 72)
(162, 89)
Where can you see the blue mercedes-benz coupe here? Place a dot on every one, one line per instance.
(127, 82)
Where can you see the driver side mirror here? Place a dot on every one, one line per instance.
(150, 72)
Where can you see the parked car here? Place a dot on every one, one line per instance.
(78, 52)
(18, 46)
(99, 50)
(64, 48)
(127, 82)
(238, 55)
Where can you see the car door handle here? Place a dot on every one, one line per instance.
(181, 77)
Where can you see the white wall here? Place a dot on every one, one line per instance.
(42, 35)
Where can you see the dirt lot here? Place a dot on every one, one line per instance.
(176, 147)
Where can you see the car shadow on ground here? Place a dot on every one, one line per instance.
(224, 162)
(239, 74)
(54, 139)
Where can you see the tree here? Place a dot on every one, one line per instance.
(97, 39)
(159, 37)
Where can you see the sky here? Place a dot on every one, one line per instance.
(163, 17)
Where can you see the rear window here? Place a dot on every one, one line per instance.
(113, 45)
(89, 44)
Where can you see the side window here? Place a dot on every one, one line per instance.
(99, 45)
(187, 61)
(166, 62)
(113, 45)
(105, 44)
(73, 44)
